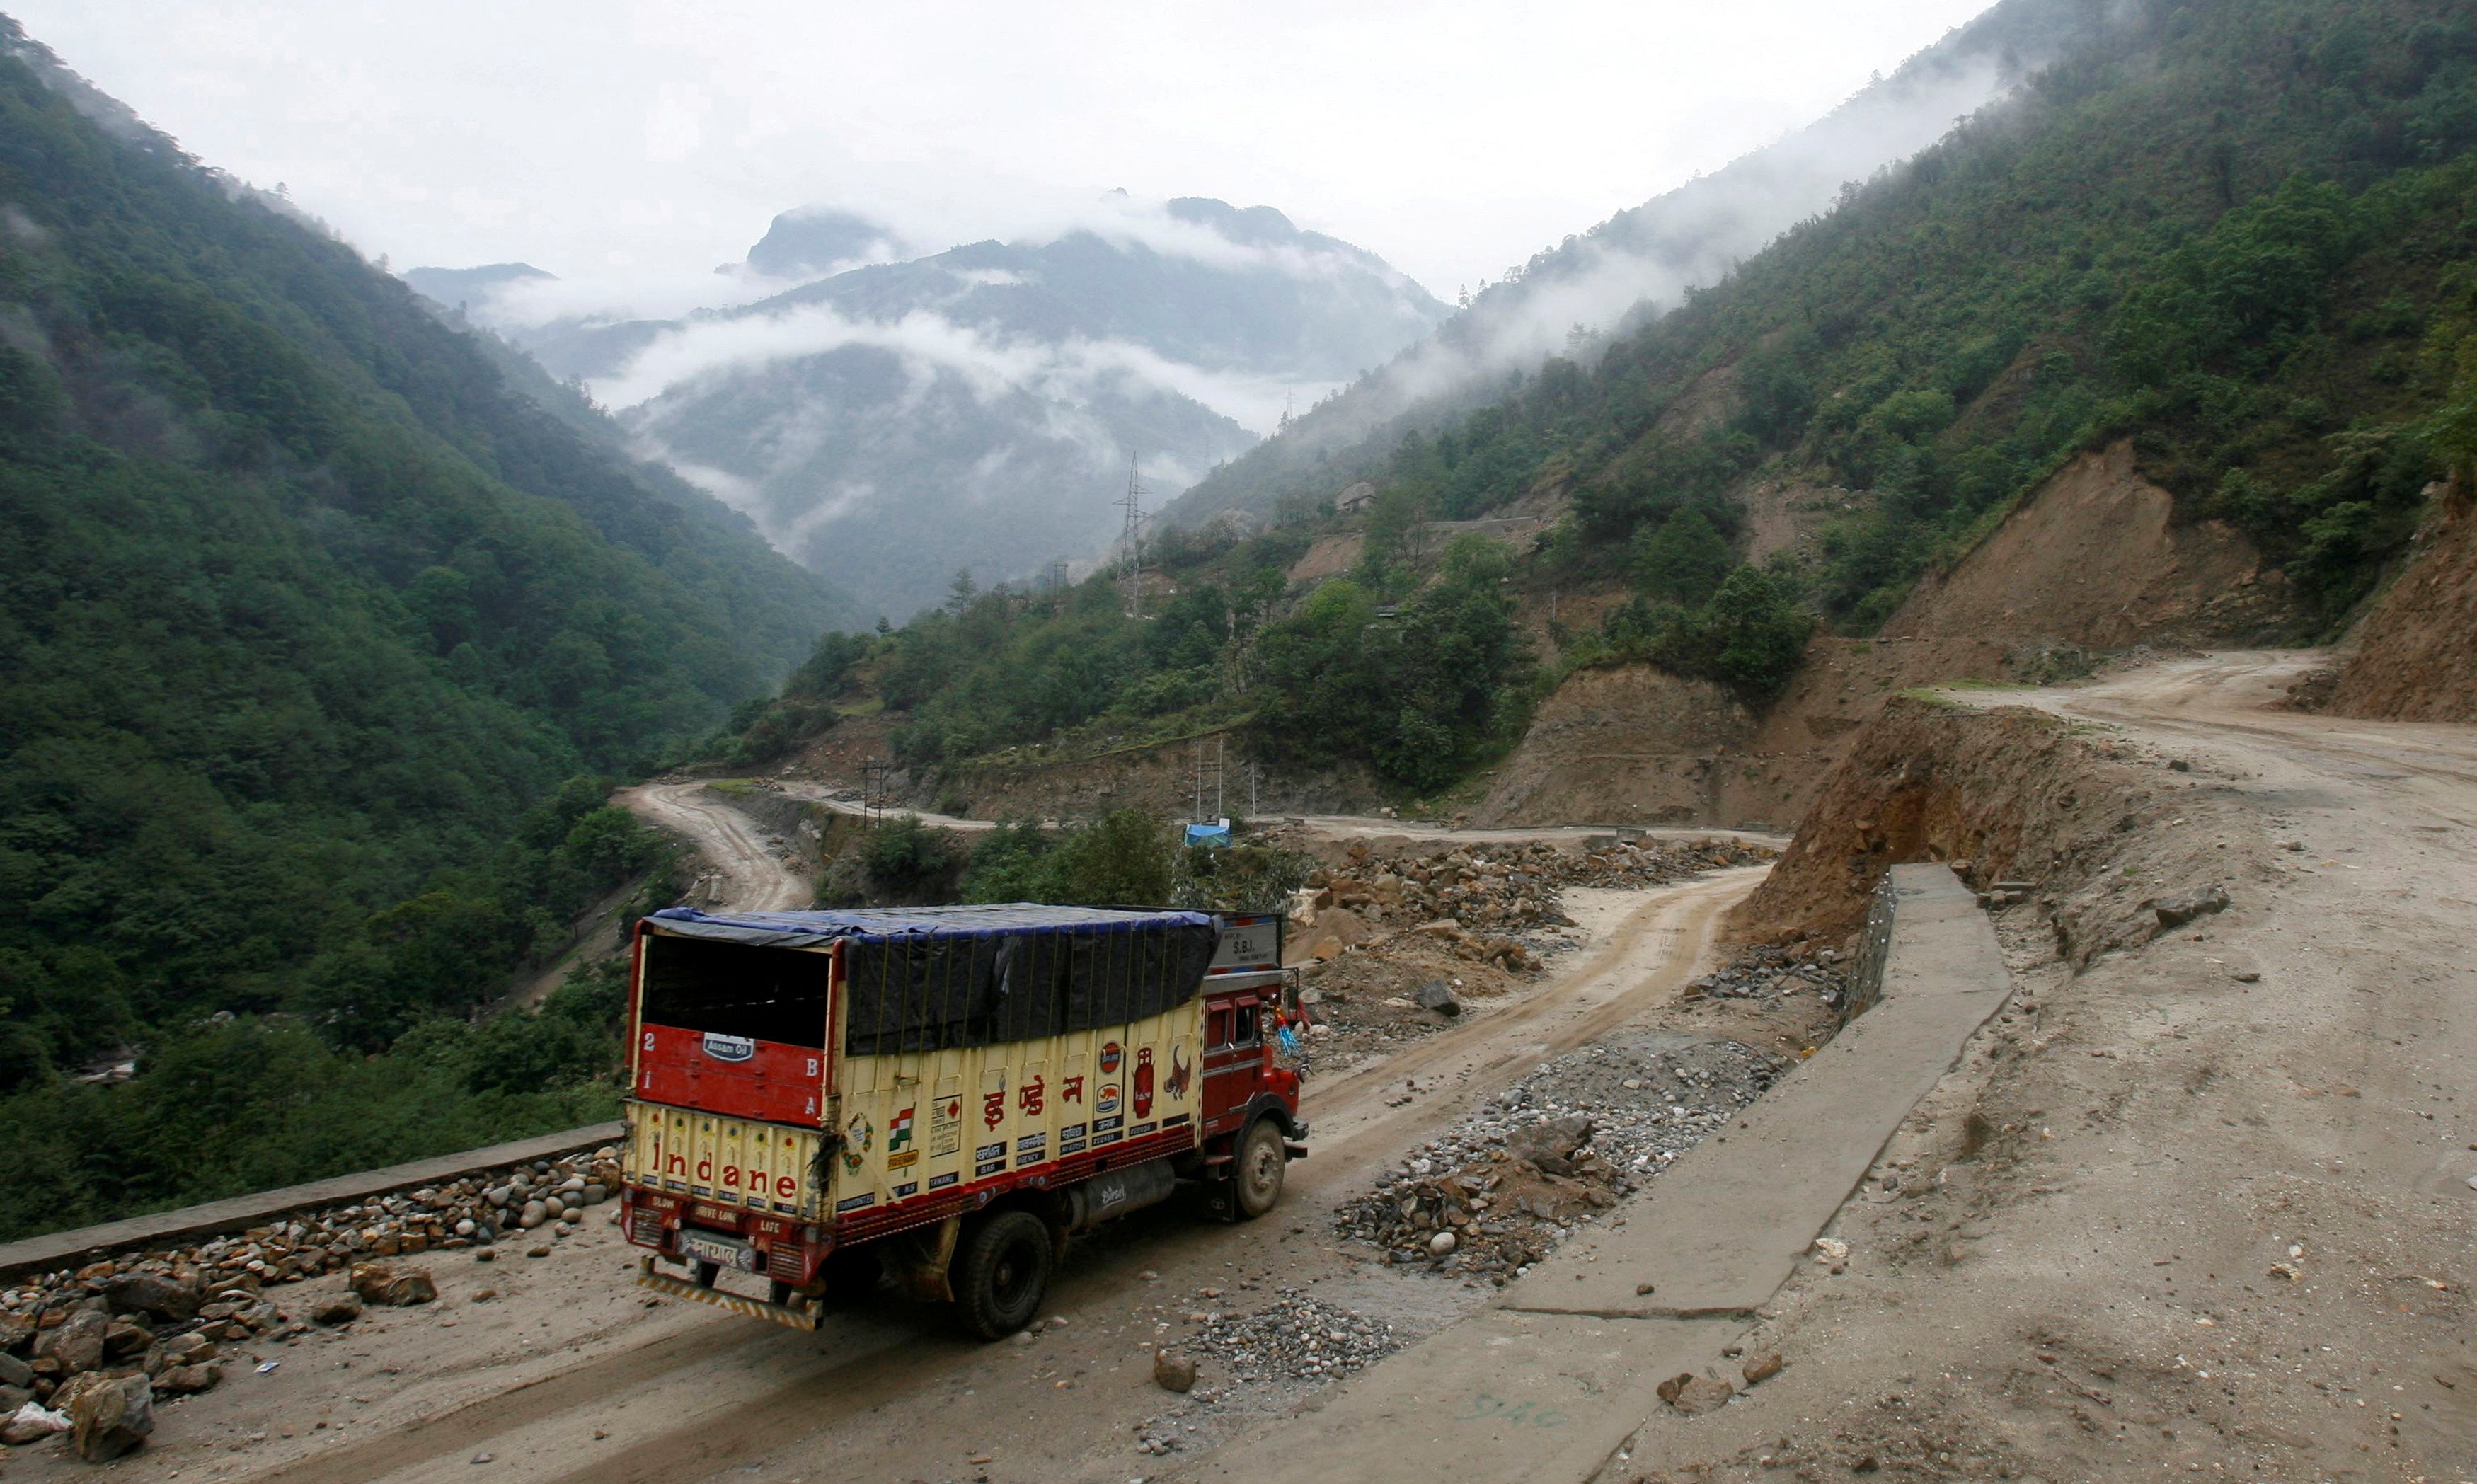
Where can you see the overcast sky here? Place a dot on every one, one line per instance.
(646, 142)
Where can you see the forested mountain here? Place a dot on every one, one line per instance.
(977, 408)
(309, 628)
(1573, 298)
(2242, 234)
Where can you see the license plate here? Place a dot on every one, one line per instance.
(719, 1249)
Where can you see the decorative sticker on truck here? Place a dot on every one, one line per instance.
(1107, 1101)
(729, 1048)
(900, 1153)
(1144, 1082)
(945, 1127)
(859, 1137)
(1182, 1072)
(1110, 1057)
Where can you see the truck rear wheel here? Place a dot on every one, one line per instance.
(1256, 1176)
(1002, 1274)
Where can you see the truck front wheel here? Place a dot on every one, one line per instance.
(1256, 1178)
(1002, 1274)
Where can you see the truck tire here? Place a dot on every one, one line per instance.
(1256, 1174)
(1002, 1274)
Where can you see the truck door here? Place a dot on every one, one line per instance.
(1234, 1059)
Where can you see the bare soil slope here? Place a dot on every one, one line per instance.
(2094, 559)
(2416, 651)
(1629, 744)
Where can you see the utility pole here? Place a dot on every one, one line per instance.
(1134, 541)
(873, 791)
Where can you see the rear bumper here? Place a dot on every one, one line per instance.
(800, 1314)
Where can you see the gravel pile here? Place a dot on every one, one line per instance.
(1506, 1186)
(1771, 971)
(1294, 1336)
(165, 1314)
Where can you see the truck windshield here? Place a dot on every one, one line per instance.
(728, 988)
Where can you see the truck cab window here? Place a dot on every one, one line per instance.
(1242, 1026)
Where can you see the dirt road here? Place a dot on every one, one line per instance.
(557, 1368)
(2203, 1210)
(749, 872)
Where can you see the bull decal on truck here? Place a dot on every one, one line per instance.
(859, 1137)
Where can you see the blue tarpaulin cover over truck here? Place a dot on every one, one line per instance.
(935, 978)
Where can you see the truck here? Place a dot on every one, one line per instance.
(939, 1097)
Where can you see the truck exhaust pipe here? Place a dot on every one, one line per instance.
(1111, 1194)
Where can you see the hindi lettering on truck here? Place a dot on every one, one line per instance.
(940, 1097)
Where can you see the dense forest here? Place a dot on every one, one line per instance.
(2239, 234)
(2233, 232)
(319, 646)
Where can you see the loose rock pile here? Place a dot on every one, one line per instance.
(1295, 1336)
(160, 1316)
(1506, 1186)
(1772, 970)
(1510, 887)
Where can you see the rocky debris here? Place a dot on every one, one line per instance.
(1438, 995)
(1511, 1182)
(1695, 1395)
(2174, 912)
(163, 1313)
(1481, 896)
(113, 1418)
(1173, 1371)
(1295, 1336)
(1773, 971)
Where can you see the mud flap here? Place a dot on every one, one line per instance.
(801, 1313)
(918, 1261)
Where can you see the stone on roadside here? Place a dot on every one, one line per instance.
(188, 1380)
(1442, 1242)
(1695, 1395)
(111, 1420)
(77, 1343)
(2175, 911)
(1550, 1145)
(153, 1294)
(1438, 995)
(1173, 1371)
(14, 1372)
(1759, 1368)
(535, 1214)
(339, 1309)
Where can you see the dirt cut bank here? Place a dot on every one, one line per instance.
(2103, 831)
(2417, 650)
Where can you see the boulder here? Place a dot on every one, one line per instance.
(1438, 995)
(153, 1294)
(2175, 911)
(188, 1380)
(77, 1343)
(113, 1418)
(378, 1283)
(121, 1341)
(339, 1309)
(1173, 1371)
(1549, 1146)
(14, 1372)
